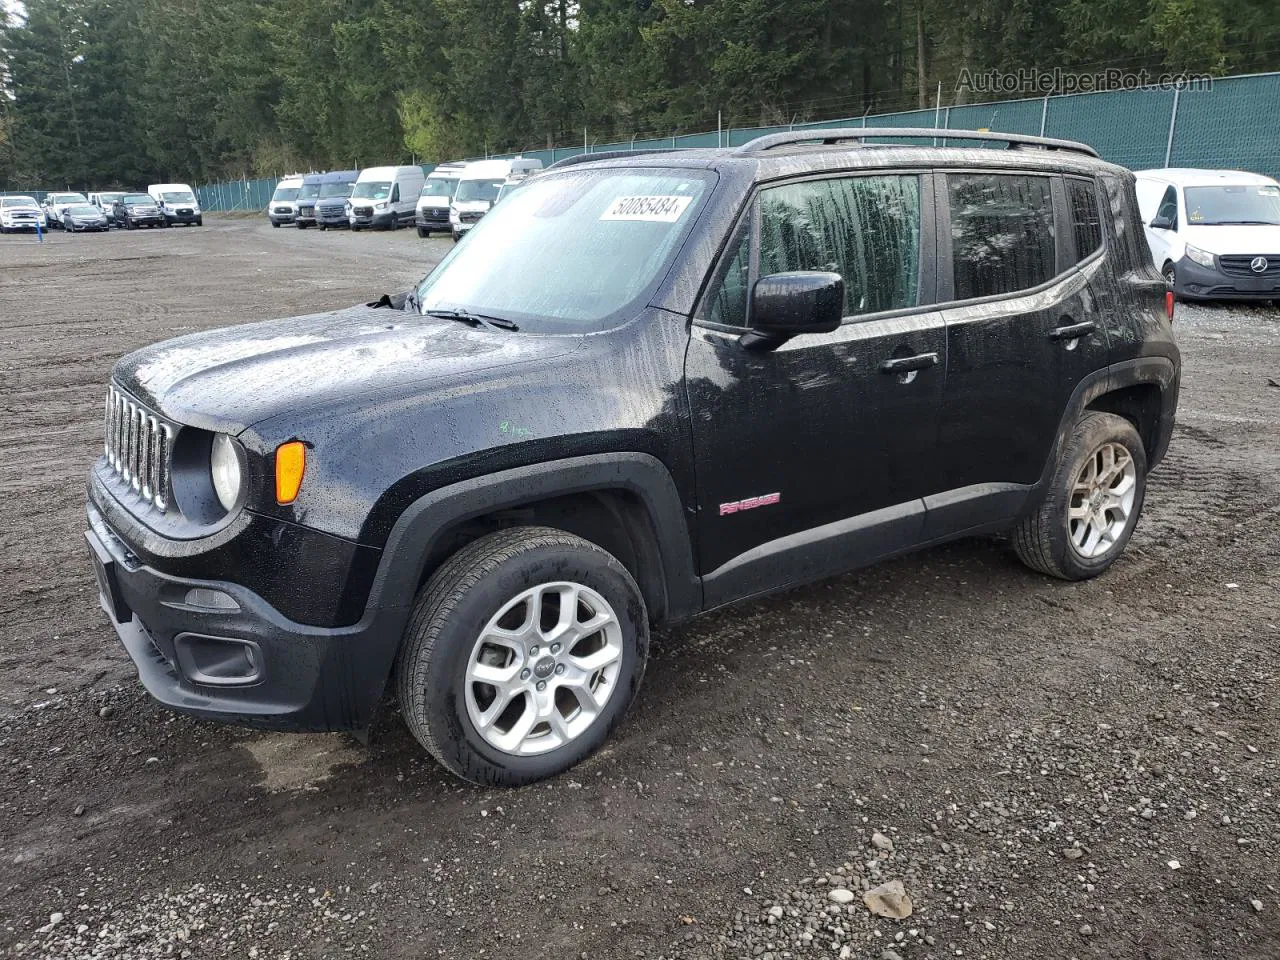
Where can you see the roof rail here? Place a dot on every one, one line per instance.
(1015, 141)
(609, 155)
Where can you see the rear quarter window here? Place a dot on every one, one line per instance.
(1086, 221)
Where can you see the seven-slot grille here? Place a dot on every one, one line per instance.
(138, 446)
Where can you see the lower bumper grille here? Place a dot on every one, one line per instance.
(138, 445)
(362, 211)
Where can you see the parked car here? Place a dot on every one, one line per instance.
(1214, 234)
(478, 190)
(106, 203)
(84, 218)
(643, 388)
(56, 203)
(178, 203)
(384, 197)
(283, 207)
(335, 188)
(432, 211)
(305, 204)
(133, 210)
(20, 213)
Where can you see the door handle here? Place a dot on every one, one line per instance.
(1073, 330)
(907, 364)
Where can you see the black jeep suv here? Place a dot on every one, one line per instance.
(644, 387)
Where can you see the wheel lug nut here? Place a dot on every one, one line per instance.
(533, 651)
(525, 674)
(542, 684)
(559, 669)
(555, 648)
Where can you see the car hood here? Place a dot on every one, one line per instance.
(234, 377)
(1234, 238)
(470, 206)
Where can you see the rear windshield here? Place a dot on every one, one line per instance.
(570, 252)
(1217, 206)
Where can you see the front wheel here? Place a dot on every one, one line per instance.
(522, 654)
(1093, 504)
(423, 232)
(1170, 276)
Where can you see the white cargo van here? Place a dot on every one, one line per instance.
(177, 202)
(436, 195)
(283, 207)
(384, 197)
(478, 190)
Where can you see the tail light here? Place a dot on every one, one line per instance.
(1168, 305)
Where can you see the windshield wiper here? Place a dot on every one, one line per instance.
(1233, 223)
(473, 319)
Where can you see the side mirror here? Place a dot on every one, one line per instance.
(1162, 223)
(786, 304)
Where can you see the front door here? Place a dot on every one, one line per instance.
(813, 457)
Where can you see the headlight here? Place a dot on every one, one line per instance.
(1202, 257)
(224, 464)
(379, 206)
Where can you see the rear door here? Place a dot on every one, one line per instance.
(812, 457)
(1021, 327)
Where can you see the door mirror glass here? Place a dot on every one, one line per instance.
(802, 301)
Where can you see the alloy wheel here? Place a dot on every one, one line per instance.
(543, 668)
(1102, 500)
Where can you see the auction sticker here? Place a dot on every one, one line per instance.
(652, 209)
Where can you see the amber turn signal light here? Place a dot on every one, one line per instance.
(291, 461)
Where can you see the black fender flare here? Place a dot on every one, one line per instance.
(417, 531)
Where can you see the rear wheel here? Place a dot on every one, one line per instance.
(523, 652)
(1093, 503)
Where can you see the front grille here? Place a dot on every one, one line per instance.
(362, 211)
(435, 213)
(1241, 265)
(184, 212)
(138, 446)
(282, 210)
(306, 211)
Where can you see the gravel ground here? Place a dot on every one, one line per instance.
(1047, 769)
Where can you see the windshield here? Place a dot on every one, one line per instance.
(439, 187)
(309, 191)
(178, 196)
(138, 198)
(335, 190)
(68, 198)
(17, 202)
(479, 189)
(1214, 206)
(82, 210)
(372, 190)
(109, 197)
(285, 193)
(570, 252)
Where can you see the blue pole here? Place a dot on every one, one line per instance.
(39, 233)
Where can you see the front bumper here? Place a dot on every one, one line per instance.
(24, 224)
(1196, 282)
(379, 218)
(146, 219)
(238, 660)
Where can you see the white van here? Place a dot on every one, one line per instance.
(384, 197)
(437, 193)
(1214, 234)
(283, 206)
(478, 190)
(177, 202)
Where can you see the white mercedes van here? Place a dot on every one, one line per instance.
(384, 197)
(1214, 234)
(437, 193)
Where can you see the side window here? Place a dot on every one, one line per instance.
(728, 304)
(1086, 224)
(867, 229)
(1169, 207)
(395, 193)
(1002, 233)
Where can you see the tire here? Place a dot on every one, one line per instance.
(301, 225)
(456, 236)
(441, 644)
(356, 228)
(199, 221)
(1046, 539)
(1170, 276)
(423, 233)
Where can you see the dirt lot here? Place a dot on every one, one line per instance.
(1060, 770)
